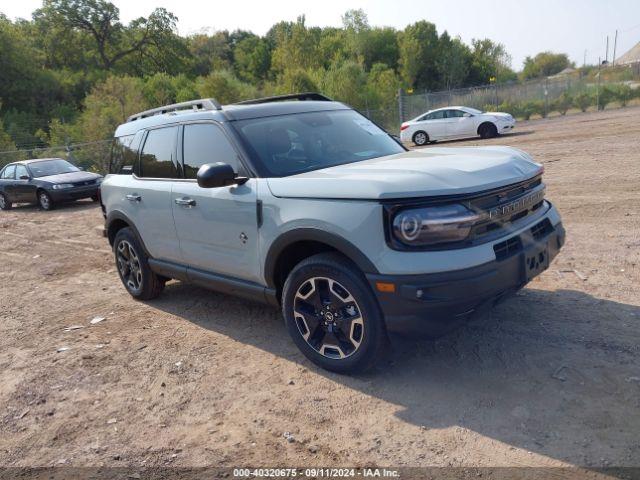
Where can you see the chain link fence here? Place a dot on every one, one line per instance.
(526, 98)
(91, 156)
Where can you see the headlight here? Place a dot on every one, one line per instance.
(432, 225)
(60, 186)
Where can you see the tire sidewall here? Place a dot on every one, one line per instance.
(128, 235)
(50, 201)
(351, 279)
(415, 136)
(7, 203)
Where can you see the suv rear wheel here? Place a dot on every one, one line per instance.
(133, 267)
(332, 315)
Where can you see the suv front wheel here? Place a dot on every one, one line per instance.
(133, 267)
(332, 315)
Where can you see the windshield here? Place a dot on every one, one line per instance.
(297, 143)
(51, 167)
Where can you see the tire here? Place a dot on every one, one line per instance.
(5, 204)
(133, 268)
(332, 314)
(487, 130)
(95, 198)
(44, 201)
(420, 138)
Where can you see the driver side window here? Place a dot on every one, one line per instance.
(206, 143)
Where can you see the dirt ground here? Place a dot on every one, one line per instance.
(194, 378)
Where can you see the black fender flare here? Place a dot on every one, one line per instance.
(118, 215)
(316, 235)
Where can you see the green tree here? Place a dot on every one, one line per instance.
(295, 81)
(113, 41)
(297, 47)
(210, 52)
(489, 60)
(252, 59)
(453, 62)
(346, 83)
(418, 48)
(545, 64)
(225, 87)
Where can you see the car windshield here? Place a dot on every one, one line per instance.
(52, 167)
(297, 143)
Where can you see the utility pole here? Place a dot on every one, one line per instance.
(584, 61)
(615, 44)
(598, 87)
(606, 54)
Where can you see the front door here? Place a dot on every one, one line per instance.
(25, 190)
(148, 197)
(217, 227)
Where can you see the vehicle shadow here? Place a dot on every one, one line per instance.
(551, 372)
(470, 139)
(85, 204)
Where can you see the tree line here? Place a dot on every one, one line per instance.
(74, 70)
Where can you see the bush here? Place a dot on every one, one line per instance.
(624, 93)
(562, 103)
(583, 101)
(607, 95)
(528, 109)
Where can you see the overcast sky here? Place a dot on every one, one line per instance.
(525, 27)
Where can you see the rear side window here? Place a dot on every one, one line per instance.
(119, 149)
(158, 157)
(206, 143)
(8, 172)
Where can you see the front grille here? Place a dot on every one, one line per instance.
(505, 206)
(507, 248)
(85, 183)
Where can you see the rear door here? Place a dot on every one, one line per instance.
(436, 125)
(148, 196)
(25, 190)
(458, 125)
(217, 227)
(7, 181)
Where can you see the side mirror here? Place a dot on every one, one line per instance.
(24, 177)
(214, 175)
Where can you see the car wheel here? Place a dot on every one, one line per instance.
(44, 200)
(488, 130)
(95, 198)
(5, 204)
(420, 138)
(332, 315)
(133, 267)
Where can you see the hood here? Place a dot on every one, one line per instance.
(71, 177)
(417, 173)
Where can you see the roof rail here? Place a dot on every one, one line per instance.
(282, 98)
(202, 104)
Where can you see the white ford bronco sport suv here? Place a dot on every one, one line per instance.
(303, 203)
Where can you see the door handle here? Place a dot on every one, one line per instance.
(185, 201)
(134, 198)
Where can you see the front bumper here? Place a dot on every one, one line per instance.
(447, 296)
(74, 193)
